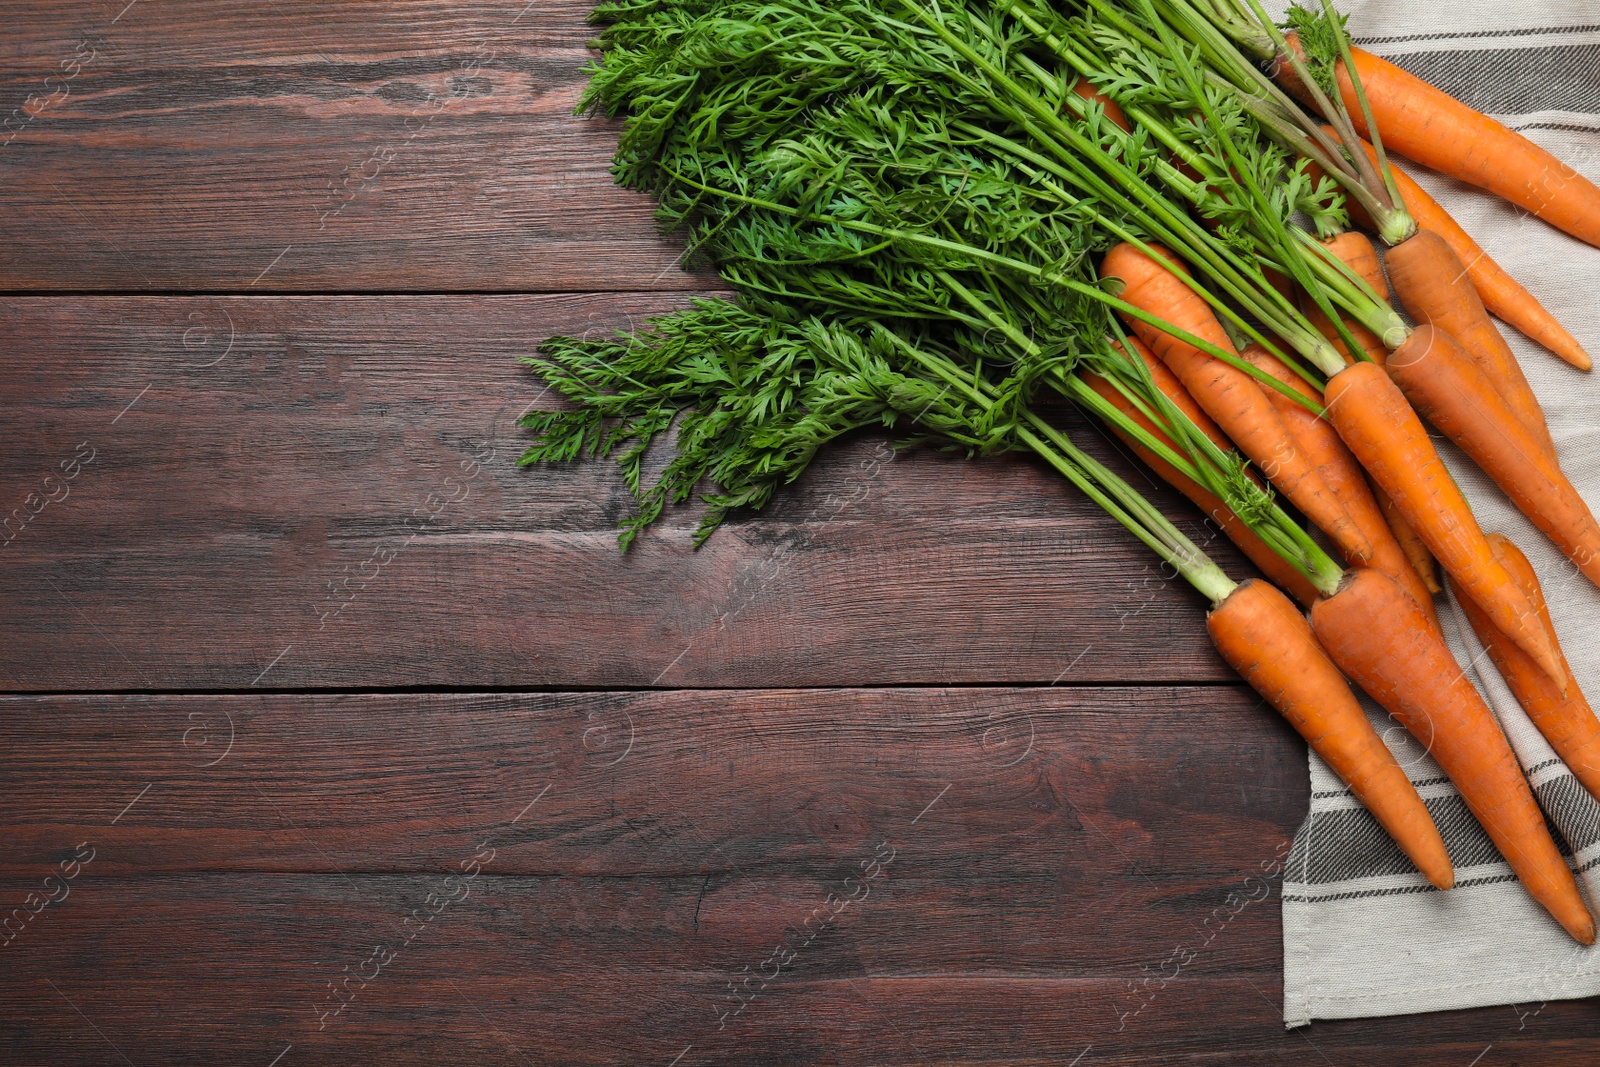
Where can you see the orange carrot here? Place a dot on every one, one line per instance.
(1279, 281)
(1372, 347)
(1432, 284)
(1435, 129)
(1357, 252)
(1567, 722)
(1168, 383)
(1229, 395)
(1378, 636)
(1505, 298)
(1234, 528)
(1374, 419)
(1259, 632)
(1088, 90)
(1451, 391)
(1320, 443)
(1416, 550)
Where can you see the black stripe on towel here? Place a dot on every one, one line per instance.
(1514, 81)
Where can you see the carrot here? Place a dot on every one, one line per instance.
(1320, 443)
(1416, 551)
(1378, 635)
(1089, 91)
(1234, 528)
(1357, 252)
(1374, 419)
(1259, 632)
(1435, 129)
(1432, 284)
(1168, 383)
(1505, 298)
(1568, 723)
(1279, 281)
(1227, 394)
(1451, 391)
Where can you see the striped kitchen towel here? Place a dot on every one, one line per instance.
(1363, 933)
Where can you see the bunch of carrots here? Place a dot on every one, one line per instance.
(937, 215)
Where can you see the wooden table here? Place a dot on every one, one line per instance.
(346, 739)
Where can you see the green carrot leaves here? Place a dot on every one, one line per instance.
(909, 198)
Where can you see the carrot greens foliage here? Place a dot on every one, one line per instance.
(908, 199)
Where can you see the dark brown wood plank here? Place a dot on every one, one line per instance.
(1051, 848)
(259, 462)
(346, 145)
(780, 779)
(655, 846)
(552, 974)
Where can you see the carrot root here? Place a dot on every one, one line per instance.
(1433, 128)
(1567, 722)
(1447, 387)
(1378, 636)
(1319, 442)
(1502, 294)
(1416, 550)
(1229, 395)
(1234, 528)
(1090, 92)
(1355, 250)
(1259, 632)
(1385, 434)
(1431, 283)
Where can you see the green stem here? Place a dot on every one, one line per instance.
(1120, 500)
(1148, 525)
(1353, 293)
(1141, 115)
(1381, 199)
(1030, 270)
(1396, 224)
(1266, 218)
(1272, 107)
(1205, 466)
(1261, 300)
(1273, 310)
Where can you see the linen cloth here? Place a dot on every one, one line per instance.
(1363, 933)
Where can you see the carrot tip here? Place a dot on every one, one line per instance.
(1445, 879)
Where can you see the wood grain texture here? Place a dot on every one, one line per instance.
(318, 493)
(264, 468)
(1048, 853)
(341, 145)
(660, 783)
